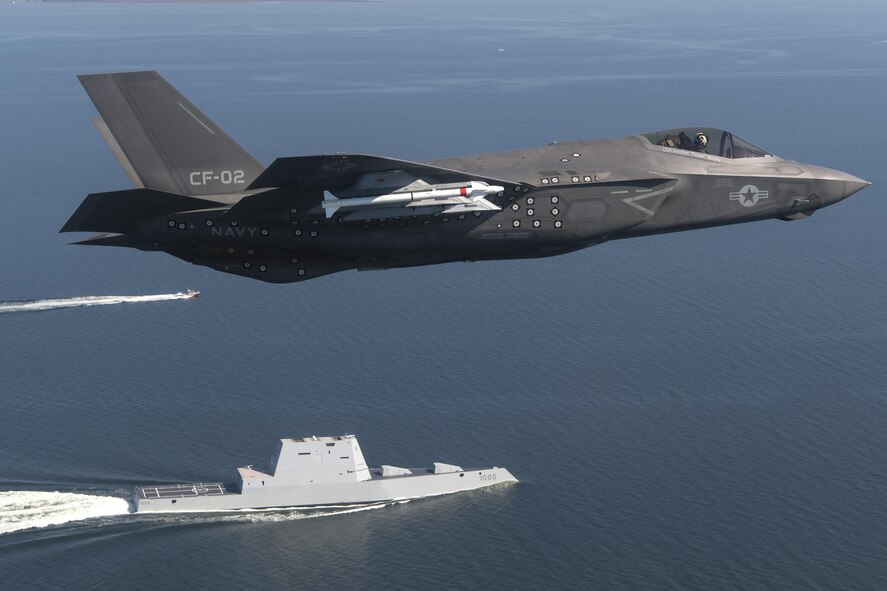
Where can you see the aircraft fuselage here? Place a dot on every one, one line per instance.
(570, 196)
(202, 198)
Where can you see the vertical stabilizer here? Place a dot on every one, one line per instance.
(167, 142)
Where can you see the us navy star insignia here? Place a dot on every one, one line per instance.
(749, 195)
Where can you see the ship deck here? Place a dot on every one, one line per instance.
(181, 491)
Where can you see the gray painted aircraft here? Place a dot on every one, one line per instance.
(203, 198)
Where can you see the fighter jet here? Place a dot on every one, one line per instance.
(201, 197)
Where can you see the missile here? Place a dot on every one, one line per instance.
(472, 192)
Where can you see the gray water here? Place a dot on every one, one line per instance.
(704, 410)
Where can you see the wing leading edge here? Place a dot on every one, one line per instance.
(336, 172)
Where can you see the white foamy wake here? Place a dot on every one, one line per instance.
(40, 305)
(24, 509)
(261, 515)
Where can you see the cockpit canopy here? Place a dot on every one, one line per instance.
(708, 140)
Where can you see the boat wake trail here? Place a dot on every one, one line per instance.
(25, 509)
(258, 515)
(28, 509)
(79, 302)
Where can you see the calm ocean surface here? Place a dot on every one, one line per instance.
(704, 410)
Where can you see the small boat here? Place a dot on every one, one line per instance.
(191, 294)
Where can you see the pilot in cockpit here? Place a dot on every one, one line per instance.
(683, 142)
(700, 142)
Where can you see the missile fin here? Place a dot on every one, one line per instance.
(477, 204)
(330, 204)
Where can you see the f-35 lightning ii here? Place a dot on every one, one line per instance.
(201, 197)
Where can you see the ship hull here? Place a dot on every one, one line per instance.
(218, 497)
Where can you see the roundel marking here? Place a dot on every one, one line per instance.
(749, 195)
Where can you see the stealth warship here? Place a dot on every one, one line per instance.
(201, 197)
(316, 471)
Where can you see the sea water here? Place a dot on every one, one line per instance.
(703, 410)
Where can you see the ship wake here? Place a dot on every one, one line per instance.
(260, 515)
(85, 301)
(26, 509)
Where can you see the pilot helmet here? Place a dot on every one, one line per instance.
(701, 139)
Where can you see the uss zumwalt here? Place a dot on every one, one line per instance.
(312, 472)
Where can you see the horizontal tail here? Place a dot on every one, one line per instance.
(163, 141)
(121, 211)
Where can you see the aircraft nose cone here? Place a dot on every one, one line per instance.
(854, 184)
(834, 185)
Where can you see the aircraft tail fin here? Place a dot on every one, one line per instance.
(163, 141)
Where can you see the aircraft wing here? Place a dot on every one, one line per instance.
(339, 171)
